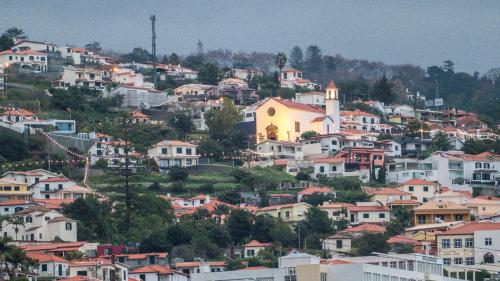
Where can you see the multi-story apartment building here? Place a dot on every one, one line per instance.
(368, 212)
(40, 224)
(81, 77)
(438, 212)
(290, 213)
(27, 60)
(469, 244)
(170, 153)
(421, 190)
(452, 169)
(13, 189)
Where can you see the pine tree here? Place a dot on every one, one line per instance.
(313, 62)
(297, 58)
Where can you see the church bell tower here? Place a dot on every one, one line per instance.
(333, 104)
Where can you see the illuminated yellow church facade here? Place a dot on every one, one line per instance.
(285, 120)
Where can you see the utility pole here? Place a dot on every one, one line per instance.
(153, 51)
(127, 187)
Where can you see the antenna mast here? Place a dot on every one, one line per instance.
(153, 51)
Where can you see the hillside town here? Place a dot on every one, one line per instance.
(145, 168)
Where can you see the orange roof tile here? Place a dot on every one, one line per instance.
(40, 257)
(13, 202)
(469, 228)
(187, 264)
(315, 189)
(160, 269)
(385, 191)
(56, 179)
(19, 112)
(419, 182)
(400, 239)
(356, 112)
(300, 106)
(366, 227)
(255, 243)
(377, 208)
(333, 160)
(331, 85)
(448, 205)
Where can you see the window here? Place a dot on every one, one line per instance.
(47, 186)
(16, 188)
(445, 243)
(338, 244)
(178, 150)
(321, 169)
(426, 188)
(366, 215)
(478, 165)
(32, 58)
(458, 260)
(486, 165)
(381, 215)
(323, 276)
(458, 217)
(189, 151)
(142, 277)
(447, 261)
(47, 218)
(297, 127)
(457, 243)
(44, 267)
(189, 162)
(469, 261)
(421, 219)
(334, 168)
(164, 151)
(81, 273)
(334, 142)
(469, 242)
(29, 219)
(10, 57)
(287, 214)
(488, 242)
(47, 196)
(364, 119)
(411, 188)
(42, 58)
(60, 186)
(372, 121)
(69, 226)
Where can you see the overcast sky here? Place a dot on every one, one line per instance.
(423, 32)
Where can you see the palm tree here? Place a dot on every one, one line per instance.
(5, 250)
(280, 61)
(16, 257)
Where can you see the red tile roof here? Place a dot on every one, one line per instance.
(40, 257)
(366, 227)
(336, 160)
(315, 189)
(484, 197)
(400, 239)
(50, 246)
(54, 204)
(187, 264)
(300, 106)
(331, 85)
(356, 112)
(160, 269)
(377, 208)
(419, 182)
(19, 112)
(255, 243)
(56, 179)
(275, 207)
(385, 191)
(13, 202)
(469, 228)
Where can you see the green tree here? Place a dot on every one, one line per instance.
(210, 149)
(280, 61)
(12, 146)
(296, 57)
(137, 55)
(177, 173)
(6, 42)
(94, 47)
(448, 65)
(472, 146)
(382, 90)
(183, 124)
(209, 74)
(174, 59)
(221, 122)
(313, 62)
(239, 225)
(230, 196)
(416, 129)
(16, 33)
(440, 142)
(308, 135)
(370, 242)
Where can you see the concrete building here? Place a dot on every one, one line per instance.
(368, 212)
(140, 97)
(50, 267)
(469, 244)
(289, 213)
(420, 190)
(313, 98)
(32, 61)
(173, 153)
(81, 77)
(30, 45)
(438, 212)
(252, 248)
(12, 189)
(12, 206)
(196, 91)
(40, 224)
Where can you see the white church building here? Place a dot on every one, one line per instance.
(285, 120)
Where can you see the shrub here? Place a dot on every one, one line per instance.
(178, 173)
(177, 187)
